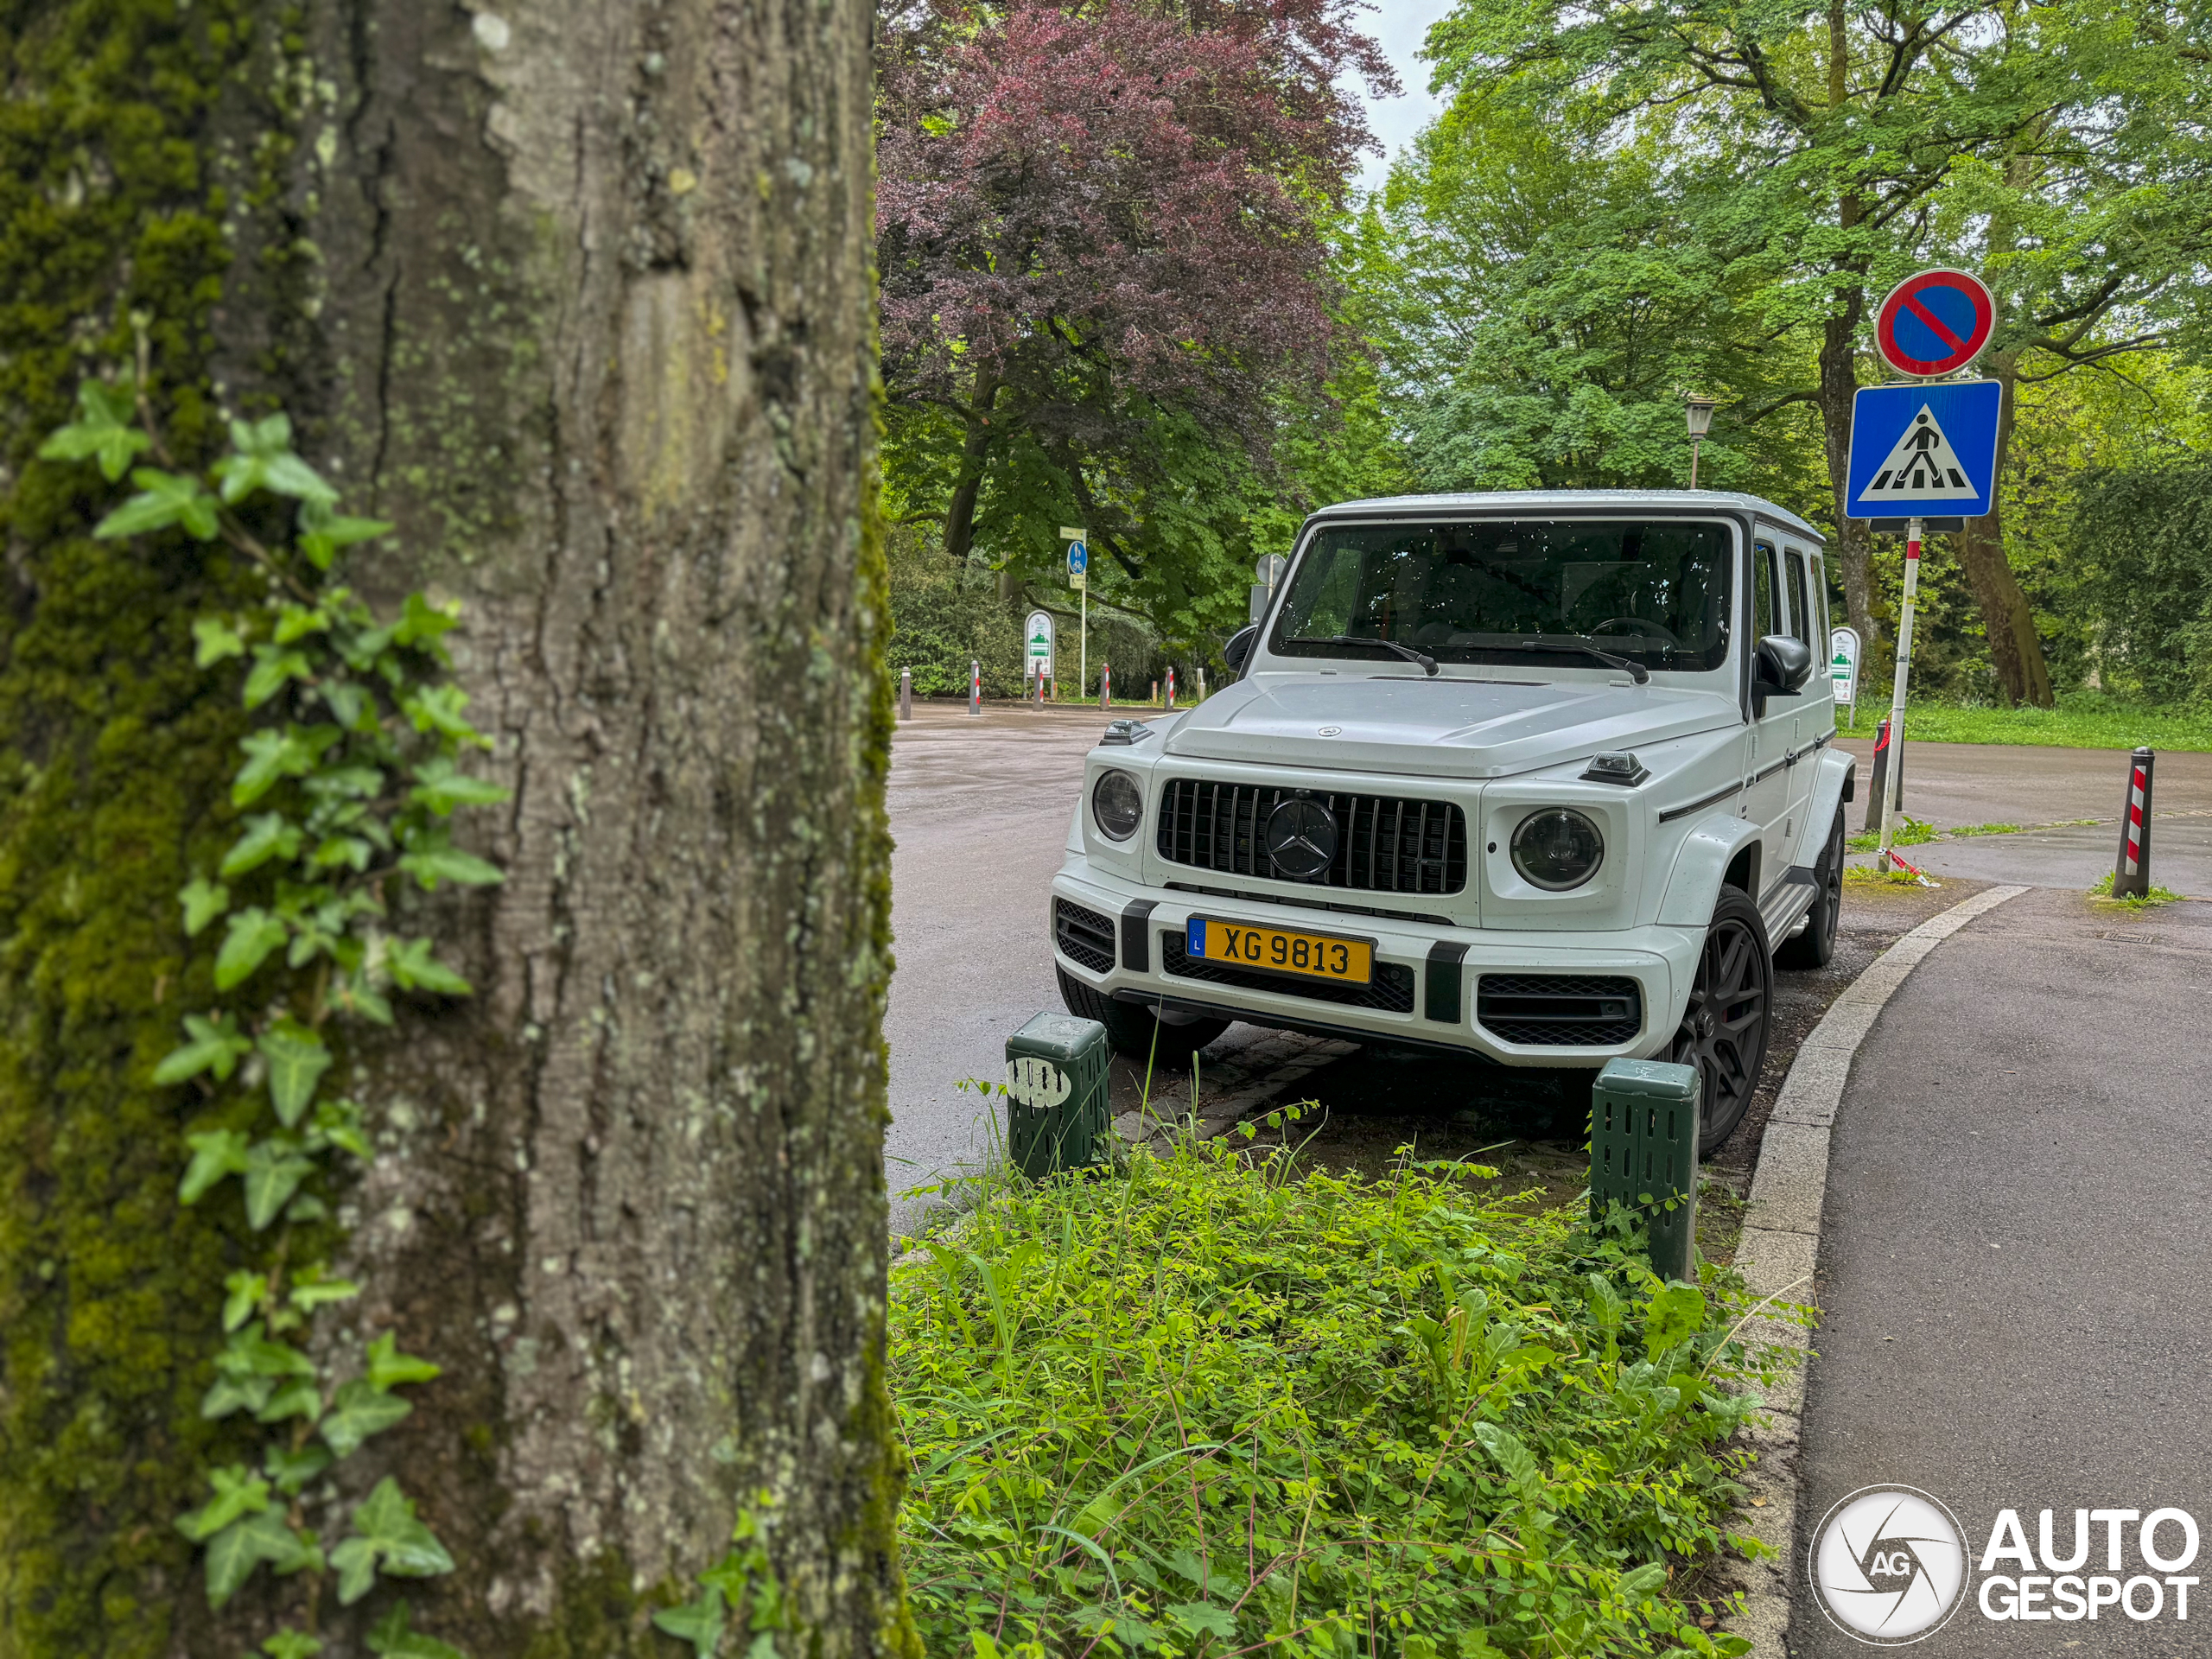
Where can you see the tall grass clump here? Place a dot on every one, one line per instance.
(1211, 1405)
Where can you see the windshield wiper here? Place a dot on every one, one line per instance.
(1636, 671)
(1428, 663)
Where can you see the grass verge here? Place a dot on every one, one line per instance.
(2082, 720)
(1213, 1406)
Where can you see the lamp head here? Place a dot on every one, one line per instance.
(1700, 410)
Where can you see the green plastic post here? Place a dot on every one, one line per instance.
(1056, 1079)
(1643, 1120)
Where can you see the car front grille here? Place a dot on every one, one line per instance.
(1384, 844)
(1559, 1010)
(1391, 989)
(1083, 936)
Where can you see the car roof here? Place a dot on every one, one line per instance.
(1569, 501)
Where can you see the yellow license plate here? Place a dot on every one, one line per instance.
(1316, 956)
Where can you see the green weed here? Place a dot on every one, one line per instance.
(2150, 900)
(1985, 830)
(1210, 1406)
(1910, 832)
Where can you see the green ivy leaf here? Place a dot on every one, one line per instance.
(338, 1123)
(414, 969)
(388, 1368)
(271, 756)
(104, 431)
(164, 499)
(291, 1644)
(274, 1170)
(345, 700)
(290, 1470)
(297, 1058)
(438, 708)
(322, 533)
(250, 1353)
(245, 1291)
(230, 1394)
(434, 864)
(267, 835)
(272, 667)
(700, 1622)
(261, 459)
(214, 1047)
(1643, 1581)
(297, 621)
(359, 1411)
(350, 852)
(311, 1290)
(441, 786)
(237, 1493)
(301, 1399)
(216, 640)
(253, 933)
(393, 1638)
(388, 1537)
(203, 901)
(215, 1154)
(420, 620)
(234, 1553)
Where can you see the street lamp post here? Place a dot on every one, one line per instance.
(1700, 410)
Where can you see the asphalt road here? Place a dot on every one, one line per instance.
(1949, 784)
(2013, 1258)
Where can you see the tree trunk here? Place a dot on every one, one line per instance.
(2007, 620)
(579, 298)
(974, 456)
(1854, 547)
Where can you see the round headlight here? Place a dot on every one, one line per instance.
(1557, 849)
(1117, 805)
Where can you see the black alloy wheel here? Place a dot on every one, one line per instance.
(1724, 1029)
(1814, 946)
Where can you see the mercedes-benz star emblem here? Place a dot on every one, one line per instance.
(1301, 838)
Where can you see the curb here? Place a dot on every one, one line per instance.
(1781, 1243)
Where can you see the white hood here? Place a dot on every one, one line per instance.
(1441, 728)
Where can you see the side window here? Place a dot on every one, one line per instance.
(1820, 594)
(1798, 609)
(1763, 594)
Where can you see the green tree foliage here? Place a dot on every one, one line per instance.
(2142, 544)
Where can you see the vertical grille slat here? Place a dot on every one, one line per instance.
(1218, 826)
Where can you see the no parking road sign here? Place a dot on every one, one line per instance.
(1923, 452)
(1934, 323)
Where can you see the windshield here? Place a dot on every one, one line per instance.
(1492, 590)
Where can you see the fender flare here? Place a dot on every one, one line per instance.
(1834, 784)
(1701, 866)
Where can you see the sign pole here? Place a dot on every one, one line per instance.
(1082, 645)
(1884, 858)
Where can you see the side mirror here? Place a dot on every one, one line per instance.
(1240, 647)
(1781, 666)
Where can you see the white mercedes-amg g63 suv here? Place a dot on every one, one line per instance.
(1541, 777)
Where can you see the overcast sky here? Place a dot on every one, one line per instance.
(1401, 25)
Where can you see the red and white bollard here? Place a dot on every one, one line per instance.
(975, 687)
(2130, 875)
(1105, 685)
(1170, 685)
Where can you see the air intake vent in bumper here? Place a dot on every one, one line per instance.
(1559, 1010)
(1083, 936)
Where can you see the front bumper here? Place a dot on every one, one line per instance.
(1429, 989)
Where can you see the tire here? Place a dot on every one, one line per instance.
(1133, 1029)
(1724, 1022)
(1815, 947)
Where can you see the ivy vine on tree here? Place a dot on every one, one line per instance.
(347, 788)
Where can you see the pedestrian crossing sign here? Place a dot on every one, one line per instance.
(1926, 452)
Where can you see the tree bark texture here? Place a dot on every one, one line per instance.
(580, 298)
(2008, 619)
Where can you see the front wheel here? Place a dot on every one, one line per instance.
(1815, 947)
(1133, 1029)
(1724, 1029)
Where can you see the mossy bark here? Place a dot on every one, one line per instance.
(579, 299)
